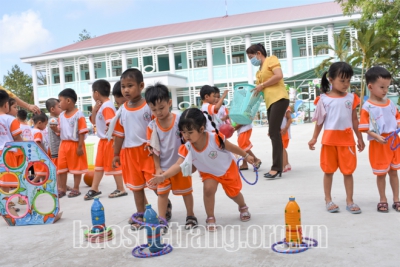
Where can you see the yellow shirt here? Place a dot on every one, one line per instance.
(274, 92)
(8, 92)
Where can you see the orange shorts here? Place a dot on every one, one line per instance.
(230, 181)
(19, 157)
(244, 140)
(285, 140)
(104, 158)
(179, 185)
(342, 157)
(40, 169)
(69, 161)
(9, 179)
(382, 158)
(55, 161)
(137, 167)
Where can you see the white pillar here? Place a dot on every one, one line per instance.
(92, 75)
(35, 84)
(331, 40)
(174, 98)
(289, 52)
(210, 62)
(124, 61)
(250, 78)
(61, 73)
(171, 56)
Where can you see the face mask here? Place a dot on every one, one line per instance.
(255, 62)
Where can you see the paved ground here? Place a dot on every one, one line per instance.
(368, 239)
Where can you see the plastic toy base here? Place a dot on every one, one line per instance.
(138, 252)
(298, 247)
(107, 235)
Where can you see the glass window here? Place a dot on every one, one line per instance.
(237, 59)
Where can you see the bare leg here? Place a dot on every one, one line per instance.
(162, 204)
(285, 158)
(394, 183)
(119, 181)
(349, 185)
(63, 182)
(209, 190)
(189, 203)
(77, 182)
(98, 175)
(140, 200)
(239, 199)
(328, 177)
(381, 183)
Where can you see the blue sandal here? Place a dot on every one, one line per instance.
(330, 204)
(351, 206)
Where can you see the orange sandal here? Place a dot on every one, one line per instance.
(211, 226)
(245, 215)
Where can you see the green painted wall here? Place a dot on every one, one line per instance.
(163, 63)
(101, 73)
(184, 60)
(218, 57)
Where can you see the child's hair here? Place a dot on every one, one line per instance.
(11, 101)
(39, 117)
(157, 92)
(337, 69)
(102, 86)
(253, 49)
(193, 119)
(116, 91)
(22, 115)
(69, 93)
(133, 74)
(3, 98)
(216, 89)
(51, 103)
(206, 90)
(374, 73)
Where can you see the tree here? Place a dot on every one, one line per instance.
(341, 51)
(370, 51)
(84, 35)
(19, 83)
(41, 78)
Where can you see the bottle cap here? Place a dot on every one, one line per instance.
(291, 198)
(148, 206)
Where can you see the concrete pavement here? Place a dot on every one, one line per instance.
(367, 239)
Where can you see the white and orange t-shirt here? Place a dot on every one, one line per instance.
(132, 125)
(379, 118)
(284, 122)
(222, 112)
(338, 123)
(103, 118)
(9, 127)
(38, 137)
(170, 141)
(210, 109)
(212, 159)
(72, 126)
(26, 132)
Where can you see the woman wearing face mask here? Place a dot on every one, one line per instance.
(269, 80)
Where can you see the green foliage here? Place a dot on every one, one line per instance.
(19, 83)
(84, 35)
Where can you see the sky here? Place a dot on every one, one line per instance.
(32, 27)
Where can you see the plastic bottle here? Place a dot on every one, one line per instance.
(98, 219)
(293, 222)
(153, 233)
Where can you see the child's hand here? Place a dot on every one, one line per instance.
(158, 179)
(283, 131)
(79, 151)
(159, 171)
(116, 160)
(361, 145)
(150, 149)
(250, 159)
(312, 143)
(225, 93)
(54, 128)
(97, 106)
(381, 139)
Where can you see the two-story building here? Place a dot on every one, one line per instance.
(185, 56)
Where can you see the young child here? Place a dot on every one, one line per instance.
(131, 131)
(72, 152)
(165, 128)
(285, 133)
(102, 114)
(25, 128)
(10, 132)
(223, 112)
(338, 146)
(379, 118)
(118, 97)
(13, 111)
(207, 94)
(40, 122)
(210, 154)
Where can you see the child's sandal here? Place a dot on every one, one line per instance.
(191, 222)
(245, 215)
(138, 216)
(211, 226)
(163, 224)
